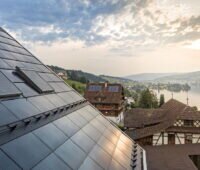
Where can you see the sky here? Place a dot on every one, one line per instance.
(112, 37)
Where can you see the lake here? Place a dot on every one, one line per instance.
(193, 96)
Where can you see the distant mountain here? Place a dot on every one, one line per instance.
(191, 77)
(148, 76)
(113, 79)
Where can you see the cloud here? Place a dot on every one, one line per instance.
(127, 27)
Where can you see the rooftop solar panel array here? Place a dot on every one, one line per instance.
(45, 124)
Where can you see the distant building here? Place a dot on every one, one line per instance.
(173, 123)
(62, 75)
(108, 98)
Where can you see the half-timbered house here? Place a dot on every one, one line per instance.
(173, 123)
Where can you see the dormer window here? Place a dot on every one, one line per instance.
(188, 123)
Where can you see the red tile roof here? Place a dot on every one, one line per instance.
(104, 95)
(171, 157)
(151, 121)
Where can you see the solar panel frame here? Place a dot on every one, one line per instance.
(34, 80)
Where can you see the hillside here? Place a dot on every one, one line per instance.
(112, 79)
(148, 76)
(78, 75)
(78, 86)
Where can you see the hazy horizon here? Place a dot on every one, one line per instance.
(111, 37)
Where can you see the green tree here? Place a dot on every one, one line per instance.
(147, 99)
(162, 100)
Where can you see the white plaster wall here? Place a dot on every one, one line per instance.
(155, 139)
(195, 138)
(118, 119)
(181, 137)
(165, 138)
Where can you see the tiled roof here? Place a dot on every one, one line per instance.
(156, 120)
(45, 124)
(172, 157)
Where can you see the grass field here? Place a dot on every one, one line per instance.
(80, 87)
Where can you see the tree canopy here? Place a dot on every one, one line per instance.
(147, 99)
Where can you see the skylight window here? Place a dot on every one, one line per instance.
(34, 80)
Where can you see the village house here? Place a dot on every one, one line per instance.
(62, 75)
(173, 123)
(107, 98)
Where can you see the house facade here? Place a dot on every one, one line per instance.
(107, 98)
(173, 123)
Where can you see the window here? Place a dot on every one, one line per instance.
(188, 138)
(34, 80)
(188, 123)
(113, 88)
(95, 88)
(171, 138)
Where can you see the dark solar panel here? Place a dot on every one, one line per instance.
(114, 165)
(7, 89)
(56, 87)
(52, 162)
(27, 150)
(12, 76)
(6, 116)
(75, 96)
(77, 119)
(51, 136)
(9, 41)
(71, 154)
(34, 80)
(49, 77)
(42, 103)
(86, 114)
(21, 108)
(113, 88)
(92, 132)
(4, 34)
(90, 164)
(4, 65)
(25, 58)
(55, 99)
(95, 88)
(100, 156)
(13, 49)
(7, 55)
(67, 126)
(83, 141)
(14, 63)
(26, 90)
(106, 145)
(66, 97)
(7, 163)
